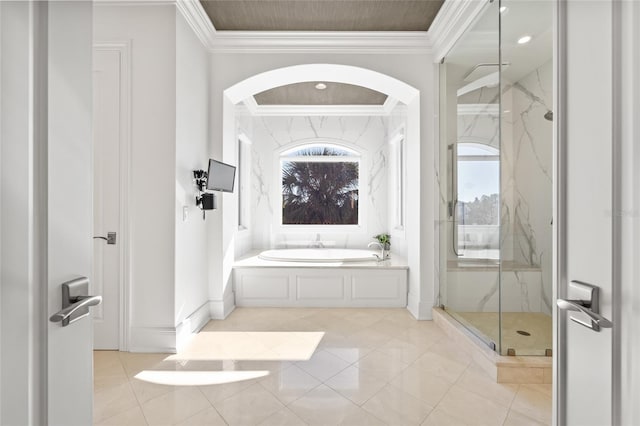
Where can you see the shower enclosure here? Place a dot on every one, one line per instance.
(496, 177)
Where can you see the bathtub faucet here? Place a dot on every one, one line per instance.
(382, 255)
(317, 243)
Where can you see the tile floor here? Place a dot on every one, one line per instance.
(371, 367)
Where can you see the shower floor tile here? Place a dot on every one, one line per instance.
(535, 337)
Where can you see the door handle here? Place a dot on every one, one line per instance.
(597, 320)
(65, 314)
(110, 238)
(75, 301)
(586, 301)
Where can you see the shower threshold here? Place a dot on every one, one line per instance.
(504, 369)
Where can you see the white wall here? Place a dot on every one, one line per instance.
(152, 33)
(396, 125)
(228, 69)
(272, 135)
(192, 134)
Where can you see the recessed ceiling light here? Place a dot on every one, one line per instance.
(321, 86)
(503, 9)
(524, 39)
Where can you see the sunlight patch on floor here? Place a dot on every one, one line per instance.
(197, 378)
(250, 346)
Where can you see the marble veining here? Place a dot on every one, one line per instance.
(260, 188)
(524, 292)
(482, 305)
(274, 134)
(376, 179)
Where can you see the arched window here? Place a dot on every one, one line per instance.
(320, 185)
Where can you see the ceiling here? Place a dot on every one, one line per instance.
(322, 15)
(307, 94)
(495, 32)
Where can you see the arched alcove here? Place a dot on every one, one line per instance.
(406, 242)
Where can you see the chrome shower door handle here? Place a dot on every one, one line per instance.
(586, 300)
(75, 301)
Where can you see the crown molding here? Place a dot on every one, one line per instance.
(348, 42)
(198, 20)
(395, 42)
(310, 110)
(134, 2)
(451, 22)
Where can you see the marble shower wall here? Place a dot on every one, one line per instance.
(531, 158)
(271, 135)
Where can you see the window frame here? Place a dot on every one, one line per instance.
(356, 156)
(398, 181)
(244, 162)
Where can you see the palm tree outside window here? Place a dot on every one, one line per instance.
(320, 185)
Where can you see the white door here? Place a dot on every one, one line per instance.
(69, 206)
(106, 196)
(69, 220)
(589, 238)
(46, 215)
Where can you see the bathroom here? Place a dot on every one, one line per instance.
(458, 152)
(396, 141)
(495, 121)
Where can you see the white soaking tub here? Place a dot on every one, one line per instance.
(319, 255)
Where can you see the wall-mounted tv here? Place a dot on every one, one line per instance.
(221, 176)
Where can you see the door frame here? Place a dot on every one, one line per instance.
(123, 48)
(625, 66)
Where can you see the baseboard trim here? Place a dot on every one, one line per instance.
(220, 309)
(419, 309)
(192, 325)
(152, 339)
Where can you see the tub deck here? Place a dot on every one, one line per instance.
(252, 260)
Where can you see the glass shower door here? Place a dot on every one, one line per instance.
(470, 189)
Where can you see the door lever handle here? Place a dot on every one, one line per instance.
(75, 301)
(81, 302)
(110, 238)
(597, 320)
